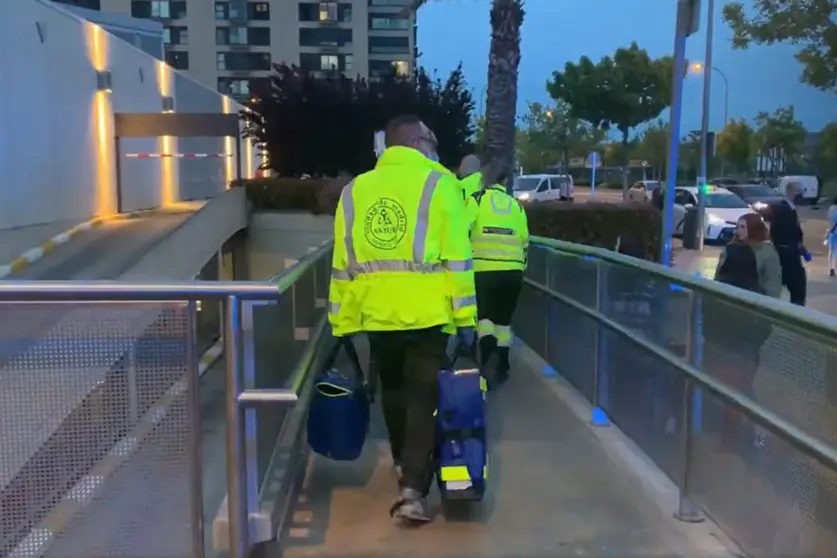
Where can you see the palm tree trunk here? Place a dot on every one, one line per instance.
(501, 97)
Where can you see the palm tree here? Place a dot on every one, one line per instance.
(503, 64)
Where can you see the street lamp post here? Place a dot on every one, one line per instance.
(698, 68)
(704, 129)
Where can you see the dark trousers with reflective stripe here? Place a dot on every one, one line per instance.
(497, 294)
(408, 364)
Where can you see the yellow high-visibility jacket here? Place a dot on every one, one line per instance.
(471, 184)
(499, 230)
(402, 257)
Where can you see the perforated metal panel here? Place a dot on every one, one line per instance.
(773, 499)
(98, 455)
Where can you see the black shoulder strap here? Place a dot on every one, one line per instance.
(346, 343)
(478, 196)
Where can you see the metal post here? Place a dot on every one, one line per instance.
(704, 129)
(726, 112)
(687, 511)
(547, 314)
(247, 350)
(195, 455)
(236, 477)
(597, 337)
(674, 134)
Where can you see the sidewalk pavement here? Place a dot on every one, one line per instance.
(822, 289)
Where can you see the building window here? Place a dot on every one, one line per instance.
(325, 62)
(160, 9)
(252, 36)
(325, 11)
(242, 61)
(233, 86)
(389, 45)
(379, 68)
(258, 11)
(176, 36)
(177, 59)
(222, 10)
(324, 36)
(389, 2)
(388, 22)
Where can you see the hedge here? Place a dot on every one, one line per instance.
(597, 224)
(594, 224)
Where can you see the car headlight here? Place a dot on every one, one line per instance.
(524, 196)
(714, 220)
(758, 206)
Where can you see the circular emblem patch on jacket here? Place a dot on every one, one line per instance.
(385, 224)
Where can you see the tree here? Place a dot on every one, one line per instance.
(622, 91)
(551, 135)
(321, 126)
(810, 25)
(736, 145)
(503, 63)
(652, 146)
(826, 153)
(779, 135)
(689, 159)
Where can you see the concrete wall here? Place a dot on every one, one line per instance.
(57, 159)
(145, 34)
(275, 238)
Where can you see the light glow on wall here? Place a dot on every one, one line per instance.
(102, 123)
(169, 193)
(248, 157)
(229, 159)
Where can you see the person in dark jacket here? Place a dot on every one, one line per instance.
(786, 235)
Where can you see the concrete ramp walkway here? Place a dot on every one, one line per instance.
(554, 490)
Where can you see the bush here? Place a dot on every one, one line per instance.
(594, 224)
(318, 196)
(597, 224)
(610, 184)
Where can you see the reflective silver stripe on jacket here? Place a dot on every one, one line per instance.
(417, 264)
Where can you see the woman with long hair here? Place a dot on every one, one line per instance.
(733, 335)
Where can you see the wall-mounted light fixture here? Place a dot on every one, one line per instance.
(104, 81)
(168, 104)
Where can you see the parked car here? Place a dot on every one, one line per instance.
(723, 209)
(759, 196)
(808, 188)
(643, 190)
(544, 187)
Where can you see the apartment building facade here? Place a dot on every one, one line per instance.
(232, 44)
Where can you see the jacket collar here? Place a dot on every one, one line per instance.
(400, 156)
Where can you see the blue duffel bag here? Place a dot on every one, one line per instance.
(338, 417)
(461, 446)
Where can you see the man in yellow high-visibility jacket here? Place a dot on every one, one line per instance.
(499, 242)
(402, 272)
(470, 176)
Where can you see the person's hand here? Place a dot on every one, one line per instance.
(466, 335)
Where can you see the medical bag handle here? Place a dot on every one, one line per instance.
(370, 382)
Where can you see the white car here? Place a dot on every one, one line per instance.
(723, 210)
(543, 187)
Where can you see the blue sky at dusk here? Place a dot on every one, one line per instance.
(558, 31)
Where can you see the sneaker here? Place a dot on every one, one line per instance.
(831, 273)
(410, 508)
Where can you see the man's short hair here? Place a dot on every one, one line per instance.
(401, 130)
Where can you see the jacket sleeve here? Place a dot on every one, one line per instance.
(456, 253)
(524, 233)
(770, 270)
(339, 264)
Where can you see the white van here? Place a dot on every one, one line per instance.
(544, 187)
(807, 187)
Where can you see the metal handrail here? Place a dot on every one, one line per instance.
(72, 291)
(777, 309)
(804, 442)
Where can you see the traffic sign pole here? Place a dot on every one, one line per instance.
(686, 25)
(593, 162)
